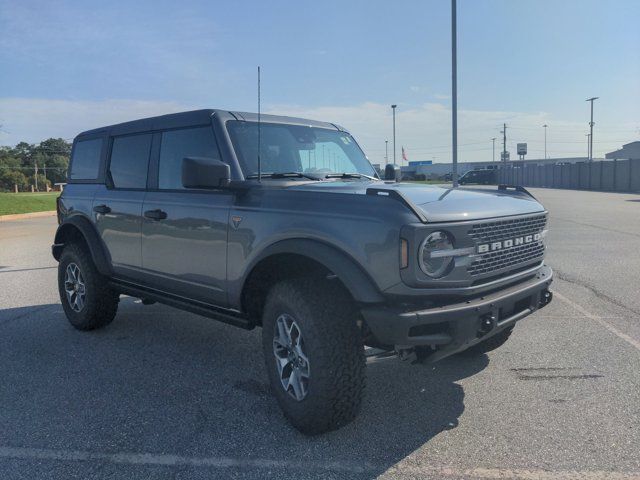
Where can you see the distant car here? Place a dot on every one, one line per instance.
(447, 177)
(483, 177)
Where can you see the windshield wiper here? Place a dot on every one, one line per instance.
(349, 175)
(284, 175)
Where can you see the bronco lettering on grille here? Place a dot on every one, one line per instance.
(502, 244)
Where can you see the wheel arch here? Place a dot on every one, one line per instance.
(303, 257)
(80, 228)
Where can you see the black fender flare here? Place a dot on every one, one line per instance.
(362, 288)
(87, 230)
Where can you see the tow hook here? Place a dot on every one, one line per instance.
(545, 298)
(487, 323)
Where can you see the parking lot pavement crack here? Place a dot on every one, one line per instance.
(597, 293)
(399, 470)
(9, 269)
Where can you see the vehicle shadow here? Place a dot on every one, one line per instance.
(158, 380)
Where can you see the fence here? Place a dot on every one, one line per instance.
(610, 176)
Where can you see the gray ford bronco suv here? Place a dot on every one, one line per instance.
(283, 223)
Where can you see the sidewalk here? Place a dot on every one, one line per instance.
(20, 216)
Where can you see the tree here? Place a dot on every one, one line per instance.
(52, 154)
(9, 178)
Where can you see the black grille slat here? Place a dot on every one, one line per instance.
(512, 257)
(502, 230)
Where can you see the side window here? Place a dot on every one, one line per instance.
(130, 160)
(86, 160)
(178, 144)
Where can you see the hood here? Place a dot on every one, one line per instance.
(440, 204)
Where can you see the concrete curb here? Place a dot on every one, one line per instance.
(21, 216)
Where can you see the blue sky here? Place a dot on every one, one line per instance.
(70, 66)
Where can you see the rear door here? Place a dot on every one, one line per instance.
(118, 205)
(184, 231)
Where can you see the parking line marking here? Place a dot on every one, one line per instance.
(309, 465)
(630, 340)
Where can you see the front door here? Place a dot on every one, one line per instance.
(185, 251)
(184, 231)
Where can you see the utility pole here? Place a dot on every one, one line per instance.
(386, 152)
(591, 129)
(494, 148)
(454, 94)
(504, 143)
(393, 109)
(545, 140)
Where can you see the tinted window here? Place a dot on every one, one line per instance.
(178, 144)
(86, 160)
(129, 161)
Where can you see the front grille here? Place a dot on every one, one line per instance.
(504, 229)
(511, 257)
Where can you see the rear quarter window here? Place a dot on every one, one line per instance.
(85, 162)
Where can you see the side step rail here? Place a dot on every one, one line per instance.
(231, 317)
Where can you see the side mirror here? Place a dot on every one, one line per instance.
(392, 172)
(204, 172)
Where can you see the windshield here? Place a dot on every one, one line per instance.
(285, 148)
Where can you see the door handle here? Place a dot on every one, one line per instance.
(102, 209)
(156, 214)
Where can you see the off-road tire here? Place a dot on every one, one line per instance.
(333, 345)
(101, 302)
(490, 343)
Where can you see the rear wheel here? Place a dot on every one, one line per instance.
(86, 297)
(314, 354)
(491, 343)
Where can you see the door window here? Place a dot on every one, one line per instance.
(130, 161)
(178, 144)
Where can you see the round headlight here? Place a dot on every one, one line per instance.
(432, 256)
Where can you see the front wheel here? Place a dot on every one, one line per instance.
(314, 354)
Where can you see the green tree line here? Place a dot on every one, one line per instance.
(17, 164)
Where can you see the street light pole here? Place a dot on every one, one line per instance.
(386, 152)
(545, 140)
(588, 146)
(454, 94)
(494, 148)
(591, 129)
(393, 109)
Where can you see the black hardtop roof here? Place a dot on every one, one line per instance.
(198, 117)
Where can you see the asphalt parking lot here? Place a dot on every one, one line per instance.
(165, 394)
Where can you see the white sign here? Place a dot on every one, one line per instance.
(522, 149)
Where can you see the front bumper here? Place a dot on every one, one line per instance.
(454, 327)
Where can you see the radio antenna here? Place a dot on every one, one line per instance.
(259, 131)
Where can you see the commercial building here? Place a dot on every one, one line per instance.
(629, 151)
(440, 169)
